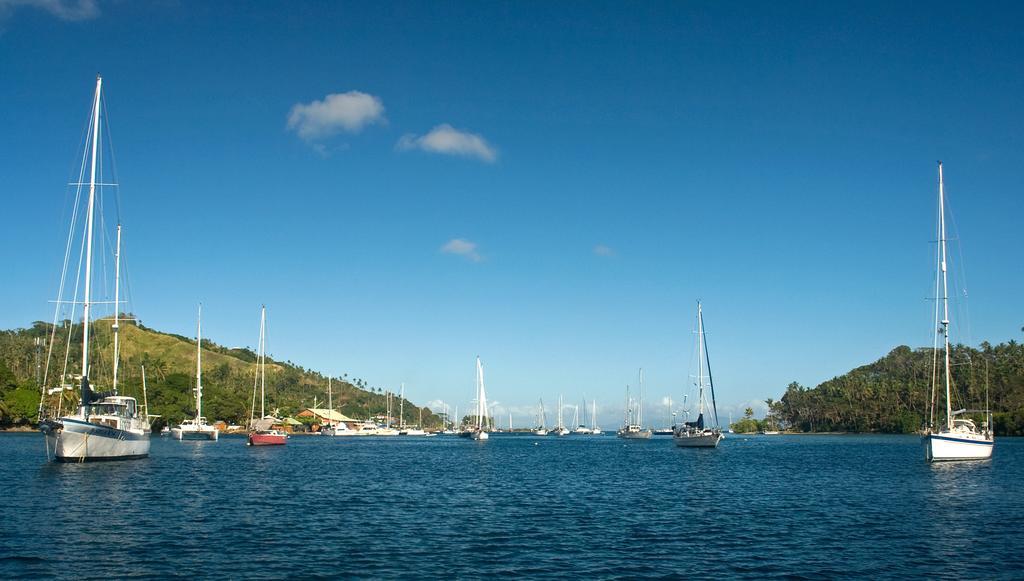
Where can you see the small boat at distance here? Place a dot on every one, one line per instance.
(632, 428)
(479, 429)
(197, 428)
(698, 433)
(262, 431)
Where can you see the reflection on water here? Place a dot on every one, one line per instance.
(814, 506)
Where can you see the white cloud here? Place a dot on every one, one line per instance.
(337, 112)
(462, 247)
(447, 140)
(602, 250)
(63, 9)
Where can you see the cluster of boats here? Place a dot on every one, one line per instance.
(109, 425)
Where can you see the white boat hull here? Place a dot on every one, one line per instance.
(79, 441)
(186, 434)
(946, 447)
(479, 436)
(706, 440)
(641, 435)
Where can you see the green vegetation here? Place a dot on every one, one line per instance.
(748, 425)
(169, 361)
(893, 394)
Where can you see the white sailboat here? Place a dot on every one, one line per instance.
(698, 433)
(560, 429)
(581, 428)
(479, 429)
(106, 425)
(403, 429)
(632, 428)
(594, 429)
(334, 428)
(197, 428)
(669, 429)
(956, 438)
(542, 421)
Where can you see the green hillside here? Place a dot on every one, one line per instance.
(893, 393)
(169, 361)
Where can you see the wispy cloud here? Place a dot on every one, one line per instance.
(63, 9)
(602, 250)
(447, 140)
(462, 247)
(336, 113)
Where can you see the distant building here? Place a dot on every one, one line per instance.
(326, 417)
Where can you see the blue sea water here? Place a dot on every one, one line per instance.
(514, 506)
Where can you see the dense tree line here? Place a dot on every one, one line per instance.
(893, 394)
(169, 363)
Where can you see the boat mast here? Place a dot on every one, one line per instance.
(711, 379)
(401, 407)
(88, 248)
(627, 415)
(117, 304)
(145, 397)
(330, 403)
(263, 360)
(945, 298)
(199, 364)
(700, 361)
(640, 406)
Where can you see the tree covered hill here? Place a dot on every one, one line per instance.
(893, 393)
(170, 363)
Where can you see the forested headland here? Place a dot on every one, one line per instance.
(893, 394)
(170, 363)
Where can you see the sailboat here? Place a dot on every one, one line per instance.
(594, 429)
(334, 427)
(698, 433)
(479, 429)
(581, 427)
(560, 429)
(667, 430)
(542, 421)
(632, 428)
(261, 431)
(197, 428)
(403, 429)
(106, 425)
(958, 437)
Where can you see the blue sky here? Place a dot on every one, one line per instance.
(549, 185)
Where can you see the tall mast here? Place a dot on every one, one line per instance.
(640, 406)
(330, 402)
(628, 415)
(145, 397)
(700, 358)
(117, 304)
(945, 297)
(401, 407)
(711, 379)
(88, 245)
(263, 360)
(199, 364)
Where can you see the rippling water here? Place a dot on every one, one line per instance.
(574, 507)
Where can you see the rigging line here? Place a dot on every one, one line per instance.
(63, 282)
(71, 318)
(711, 381)
(960, 279)
(113, 160)
(68, 244)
